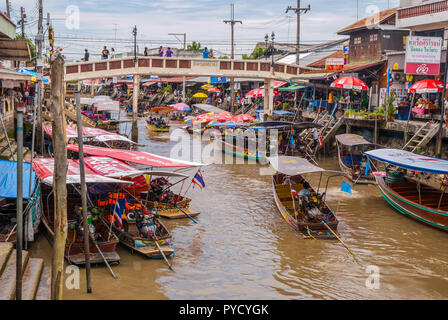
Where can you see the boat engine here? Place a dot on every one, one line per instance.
(145, 225)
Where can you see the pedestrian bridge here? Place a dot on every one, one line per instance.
(179, 67)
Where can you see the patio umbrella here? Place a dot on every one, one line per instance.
(206, 86)
(180, 107)
(349, 83)
(223, 117)
(206, 116)
(200, 95)
(214, 90)
(26, 71)
(243, 118)
(427, 86)
(255, 93)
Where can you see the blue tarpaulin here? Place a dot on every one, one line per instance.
(409, 160)
(8, 179)
(282, 112)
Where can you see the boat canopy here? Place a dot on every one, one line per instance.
(94, 133)
(208, 108)
(284, 124)
(293, 166)
(139, 157)
(8, 180)
(351, 140)
(283, 112)
(45, 169)
(409, 160)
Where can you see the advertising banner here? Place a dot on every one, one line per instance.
(423, 55)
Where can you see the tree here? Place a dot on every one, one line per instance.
(194, 46)
(257, 53)
(223, 57)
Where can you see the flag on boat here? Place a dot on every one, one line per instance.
(198, 180)
(117, 214)
(346, 187)
(320, 141)
(293, 191)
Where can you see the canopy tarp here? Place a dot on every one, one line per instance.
(350, 139)
(409, 160)
(284, 124)
(294, 87)
(95, 133)
(139, 157)
(282, 112)
(69, 131)
(208, 108)
(108, 167)
(293, 166)
(8, 180)
(45, 169)
(107, 106)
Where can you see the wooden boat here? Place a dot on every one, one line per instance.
(74, 247)
(242, 151)
(351, 158)
(155, 128)
(408, 196)
(310, 217)
(142, 240)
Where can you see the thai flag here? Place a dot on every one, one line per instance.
(198, 180)
(293, 191)
(320, 141)
(117, 214)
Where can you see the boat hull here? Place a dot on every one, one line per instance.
(241, 152)
(154, 128)
(412, 209)
(349, 172)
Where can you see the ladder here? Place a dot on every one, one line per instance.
(422, 137)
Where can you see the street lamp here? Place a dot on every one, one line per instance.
(266, 38)
(272, 46)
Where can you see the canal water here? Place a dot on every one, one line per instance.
(243, 249)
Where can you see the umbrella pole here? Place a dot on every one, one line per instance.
(407, 122)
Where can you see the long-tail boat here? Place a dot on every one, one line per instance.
(402, 188)
(103, 239)
(305, 211)
(351, 158)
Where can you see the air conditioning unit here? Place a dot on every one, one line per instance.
(399, 77)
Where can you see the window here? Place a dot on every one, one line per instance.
(357, 40)
(373, 37)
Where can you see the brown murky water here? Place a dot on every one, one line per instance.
(243, 249)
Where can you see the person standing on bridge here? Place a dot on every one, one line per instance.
(86, 55)
(169, 53)
(105, 53)
(211, 56)
(146, 52)
(205, 53)
(161, 51)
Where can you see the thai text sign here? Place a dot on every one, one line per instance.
(334, 64)
(423, 55)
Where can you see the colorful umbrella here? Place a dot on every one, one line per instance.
(349, 83)
(180, 107)
(256, 93)
(205, 116)
(427, 86)
(243, 118)
(161, 109)
(206, 86)
(214, 90)
(26, 71)
(223, 117)
(200, 95)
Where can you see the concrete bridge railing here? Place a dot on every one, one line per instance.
(179, 67)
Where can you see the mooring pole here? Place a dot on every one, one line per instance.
(19, 217)
(82, 172)
(442, 108)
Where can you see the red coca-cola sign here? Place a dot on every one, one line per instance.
(422, 68)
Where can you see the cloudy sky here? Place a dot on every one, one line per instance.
(101, 22)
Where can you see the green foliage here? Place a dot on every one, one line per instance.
(389, 104)
(247, 57)
(194, 46)
(257, 53)
(166, 89)
(223, 57)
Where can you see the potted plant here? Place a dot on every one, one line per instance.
(380, 115)
(389, 107)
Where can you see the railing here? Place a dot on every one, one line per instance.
(180, 66)
(424, 9)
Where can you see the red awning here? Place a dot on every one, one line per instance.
(70, 132)
(44, 167)
(139, 157)
(96, 133)
(109, 167)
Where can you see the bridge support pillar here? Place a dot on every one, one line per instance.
(268, 98)
(135, 96)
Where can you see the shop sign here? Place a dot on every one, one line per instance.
(334, 64)
(218, 79)
(423, 55)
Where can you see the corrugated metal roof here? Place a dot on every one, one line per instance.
(374, 19)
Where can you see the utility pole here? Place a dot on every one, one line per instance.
(134, 32)
(39, 70)
(115, 29)
(232, 23)
(298, 10)
(185, 48)
(442, 113)
(22, 21)
(8, 10)
(19, 216)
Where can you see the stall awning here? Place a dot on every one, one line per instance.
(409, 160)
(350, 139)
(111, 168)
(294, 88)
(17, 49)
(6, 74)
(139, 157)
(45, 169)
(293, 166)
(8, 180)
(94, 133)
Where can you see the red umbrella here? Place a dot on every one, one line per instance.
(427, 86)
(260, 93)
(243, 118)
(214, 90)
(205, 116)
(350, 83)
(223, 117)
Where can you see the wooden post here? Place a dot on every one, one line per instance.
(60, 175)
(83, 190)
(135, 97)
(19, 216)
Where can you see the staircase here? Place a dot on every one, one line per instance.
(5, 150)
(328, 130)
(422, 137)
(70, 112)
(35, 280)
